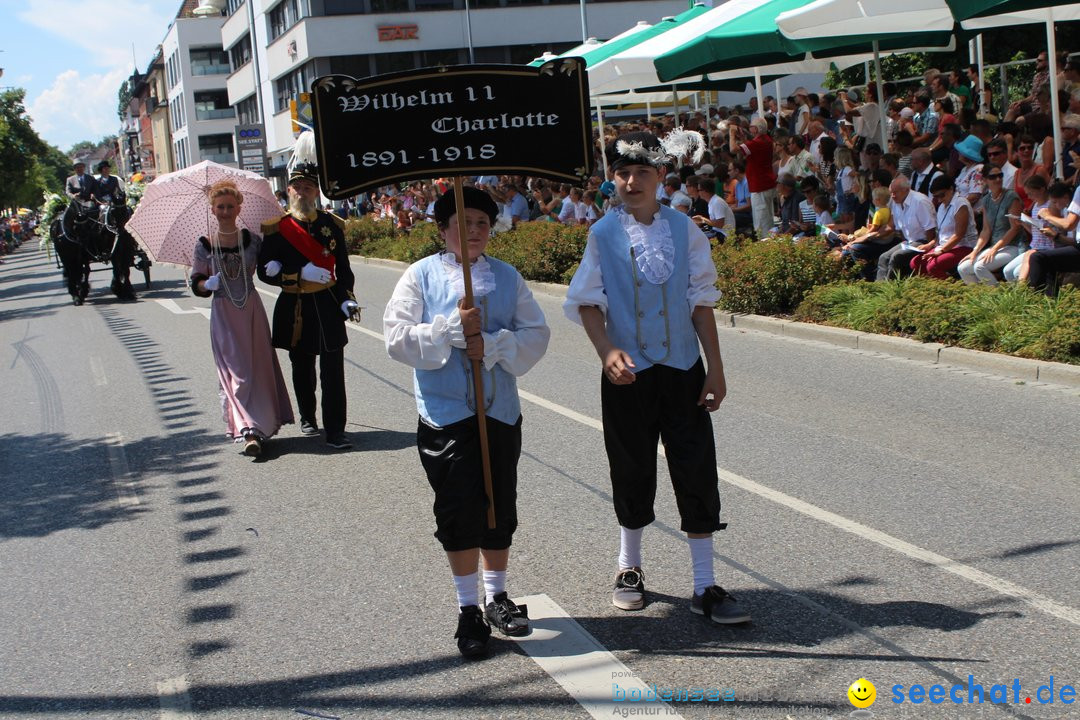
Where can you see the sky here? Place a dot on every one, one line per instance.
(71, 56)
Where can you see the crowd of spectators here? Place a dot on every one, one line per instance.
(958, 191)
(14, 230)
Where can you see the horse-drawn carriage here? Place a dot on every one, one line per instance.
(88, 232)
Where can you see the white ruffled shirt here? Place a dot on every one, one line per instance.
(427, 346)
(655, 254)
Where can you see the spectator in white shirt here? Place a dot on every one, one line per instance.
(913, 218)
(721, 219)
(568, 211)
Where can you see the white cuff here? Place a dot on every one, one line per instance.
(452, 327)
(500, 346)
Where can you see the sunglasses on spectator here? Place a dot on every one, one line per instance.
(939, 195)
(992, 153)
(995, 176)
(1025, 148)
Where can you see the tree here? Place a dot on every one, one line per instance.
(20, 146)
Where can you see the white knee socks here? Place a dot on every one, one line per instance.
(494, 583)
(629, 547)
(466, 590)
(701, 556)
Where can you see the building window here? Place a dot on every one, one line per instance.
(171, 74)
(218, 148)
(422, 5)
(290, 86)
(181, 154)
(177, 113)
(240, 53)
(394, 62)
(388, 6)
(213, 105)
(343, 7)
(435, 58)
(209, 61)
(285, 15)
(357, 66)
(232, 6)
(247, 111)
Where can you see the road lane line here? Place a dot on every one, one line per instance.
(581, 665)
(999, 585)
(120, 470)
(175, 309)
(98, 371)
(174, 699)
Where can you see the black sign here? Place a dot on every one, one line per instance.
(463, 120)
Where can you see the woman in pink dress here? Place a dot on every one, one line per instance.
(254, 399)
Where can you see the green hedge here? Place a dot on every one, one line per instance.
(1008, 318)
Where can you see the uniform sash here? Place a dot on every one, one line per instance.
(307, 245)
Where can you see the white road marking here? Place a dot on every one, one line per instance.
(174, 699)
(999, 585)
(98, 371)
(175, 309)
(121, 472)
(580, 664)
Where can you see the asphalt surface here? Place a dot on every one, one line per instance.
(888, 519)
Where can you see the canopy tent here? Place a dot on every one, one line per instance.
(824, 19)
(588, 51)
(751, 39)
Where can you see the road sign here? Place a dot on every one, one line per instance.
(461, 120)
(251, 148)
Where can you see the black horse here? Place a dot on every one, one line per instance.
(91, 233)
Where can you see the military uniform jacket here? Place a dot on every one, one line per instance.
(106, 188)
(314, 318)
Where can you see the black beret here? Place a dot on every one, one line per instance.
(472, 198)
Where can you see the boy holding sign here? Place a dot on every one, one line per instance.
(427, 329)
(645, 292)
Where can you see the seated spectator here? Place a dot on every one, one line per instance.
(956, 232)
(914, 224)
(593, 211)
(969, 182)
(1043, 264)
(810, 189)
(1038, 190)
(789, 197)
(720, 220)
(850, 190)
(997, 155)
(1001, 235)
(517, 207)
(744, 219)
(868, 243)
(1025, 151)
(824, 219)
(676, 198)
(568, 214)
(1070, 155)
(1053, 235)
(926, 120)
(923, 171)
(802, 163)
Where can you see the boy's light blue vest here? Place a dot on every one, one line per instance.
(651, 323)
(446, 395)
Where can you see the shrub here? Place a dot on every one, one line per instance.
(542, 251)
(772, 276)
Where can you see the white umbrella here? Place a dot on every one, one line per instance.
(174, 211)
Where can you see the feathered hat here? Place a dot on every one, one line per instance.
(304, 165)
(644, 148)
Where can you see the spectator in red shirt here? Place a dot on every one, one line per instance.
(760, 175)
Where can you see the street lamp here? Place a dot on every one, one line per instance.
(207, 8)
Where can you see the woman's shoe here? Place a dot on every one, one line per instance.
(252, 445)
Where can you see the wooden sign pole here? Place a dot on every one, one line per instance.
(477, 365)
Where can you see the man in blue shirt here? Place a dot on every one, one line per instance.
(515, 201)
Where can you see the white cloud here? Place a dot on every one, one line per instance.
(77, 107)
(98, 37)
(22, 80)
(105, 28)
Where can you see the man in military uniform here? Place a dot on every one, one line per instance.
(304, 253)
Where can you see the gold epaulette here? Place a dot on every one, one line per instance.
(271, 226)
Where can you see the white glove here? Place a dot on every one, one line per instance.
(313, 273)
(273, 268)
(212, 283)
(349, 307)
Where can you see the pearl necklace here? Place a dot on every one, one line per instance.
(231, 272)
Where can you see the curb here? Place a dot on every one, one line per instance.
(994, 363)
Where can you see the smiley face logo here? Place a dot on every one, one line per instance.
(862, 693)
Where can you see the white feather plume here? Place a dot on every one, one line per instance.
(637, 151)
(304, 150)
(679, 143)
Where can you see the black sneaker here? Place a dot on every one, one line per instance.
(629, 589)
(719, 605)
(508, 618)
(472, 632)
(308, 427)
(338, 440)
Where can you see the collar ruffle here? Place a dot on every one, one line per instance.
(654, 250)
(483, 277)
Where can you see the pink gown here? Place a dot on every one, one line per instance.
(251, 386)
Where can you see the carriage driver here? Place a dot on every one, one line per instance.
(107, 186)
(79, 186)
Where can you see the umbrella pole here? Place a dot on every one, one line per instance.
(880, 99)
(1055, 110)
(757, 89)
(478, 378)
(603, 139)
(675, 102)
(648, 111)
(982, 73)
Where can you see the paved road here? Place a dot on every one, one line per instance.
(889, 519)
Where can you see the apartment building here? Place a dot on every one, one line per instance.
(296, 41)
